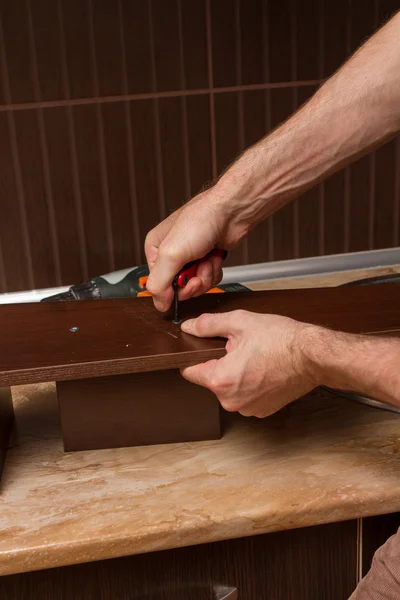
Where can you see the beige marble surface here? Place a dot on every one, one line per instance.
(321, 459)
(327, 280)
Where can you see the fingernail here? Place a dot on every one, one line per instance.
(186, 325)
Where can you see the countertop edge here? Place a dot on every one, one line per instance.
(59, 554)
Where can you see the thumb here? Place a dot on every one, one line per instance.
(210, 325)
(201, 374)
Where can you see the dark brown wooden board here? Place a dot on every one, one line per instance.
(129, 335)
(6, 422)
(136, 410)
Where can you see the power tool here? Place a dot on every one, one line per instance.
(132, 284)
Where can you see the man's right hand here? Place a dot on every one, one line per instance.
(355, 110)
(189, 234)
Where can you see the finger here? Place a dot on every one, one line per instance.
(201, 374)
(167, 265)
(205, 273)
(199, 284)
(155, 238)
(193, 288)
(216, 263)
(151, 253)
(249, 411)
(217, 277)
(210, 325)
(165, 304)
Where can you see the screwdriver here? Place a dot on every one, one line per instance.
(187, 272)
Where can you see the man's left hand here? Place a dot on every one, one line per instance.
(265, 367)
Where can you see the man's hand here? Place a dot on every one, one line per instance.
(265, 366)
(355, 110)
(189, 234)
(272, 360)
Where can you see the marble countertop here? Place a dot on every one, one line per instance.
(319, 460)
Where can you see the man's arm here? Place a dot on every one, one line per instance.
(356, 109)
(272, 360)
(365, 364)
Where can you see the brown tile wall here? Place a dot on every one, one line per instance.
(114, 112)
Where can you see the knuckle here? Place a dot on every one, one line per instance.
(227, 405)
(214, 385)
(148, 238)
(222, 384)
(261, 415)
(206, 323)
(152, 287)
(203, 320)
(169, 252)
(239, 314)
(246, 412)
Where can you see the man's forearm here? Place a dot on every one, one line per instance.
(357, 109)
(365, 364)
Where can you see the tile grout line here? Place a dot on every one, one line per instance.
(267, 99)
(129, 144)
(347, 172)
(211, 91)
(101, 147)
(156, 95)
(45, 155)
(295, 101)
(371, 202)
(372, 161)
(321, 187)
(73, 152)
(240, 107)
(157, 135)
(16, 163)
(185, 132)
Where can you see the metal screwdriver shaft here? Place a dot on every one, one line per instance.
(176, 302)
(187, 272)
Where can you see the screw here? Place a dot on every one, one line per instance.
(74, 329)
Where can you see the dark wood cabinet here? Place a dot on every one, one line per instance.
(303, 564)
(312, 563)
(375, 532)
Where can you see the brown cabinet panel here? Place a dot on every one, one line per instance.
(304, 564)
(375, 532)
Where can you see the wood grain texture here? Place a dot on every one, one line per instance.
(306, 564)
(136, 410)
(126, 335)
(375, 532)
(6, 422)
